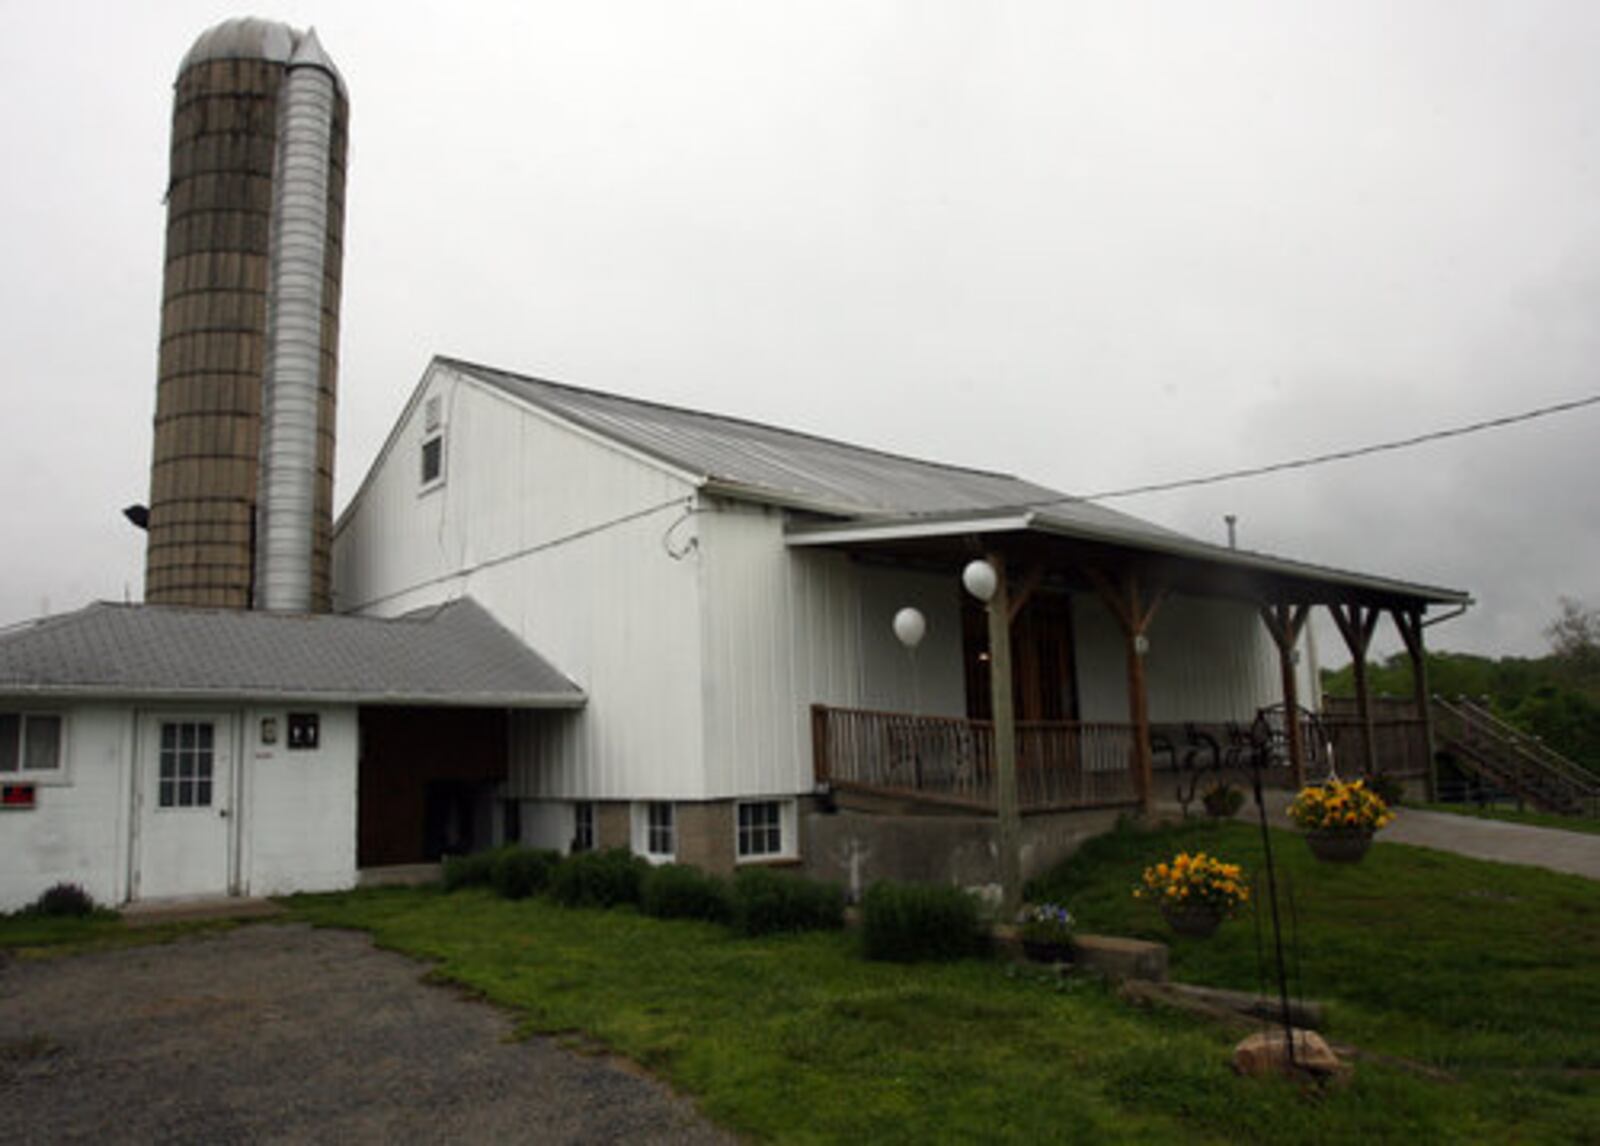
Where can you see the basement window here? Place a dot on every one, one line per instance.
(765, 829)
(30, 744)
(655, 831)
(583, 826)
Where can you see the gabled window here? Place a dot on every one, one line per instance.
(30, 744)
(432, 460)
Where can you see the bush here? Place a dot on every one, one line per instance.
(599, 879)
(63, 899)
(1387, 788)
(476, 870)
(675, 891)
(521, 872)
(766, 901)
(905, 923)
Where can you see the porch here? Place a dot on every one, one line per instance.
(1023, 726)
(939, 762)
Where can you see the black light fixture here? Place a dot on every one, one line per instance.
(139, 515)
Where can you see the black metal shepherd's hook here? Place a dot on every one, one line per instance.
(1272, 895)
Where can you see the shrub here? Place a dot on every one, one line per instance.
(767, 901)
(1387, 787)
(521, 872)
(599, 879)
(906, 923)
(63, 899)
(475, 870)
(675, 891)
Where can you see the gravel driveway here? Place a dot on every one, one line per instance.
(288, 1034)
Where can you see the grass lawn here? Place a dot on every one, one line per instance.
(1483, 970)
(31, 936)
(1589, 825)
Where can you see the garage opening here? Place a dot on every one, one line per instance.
(427, 782)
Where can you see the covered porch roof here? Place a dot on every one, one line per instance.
(1063, 544)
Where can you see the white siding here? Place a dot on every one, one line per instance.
(780, 633)
(562, 537)
(78, 833)
(1209, 660)
(786, 629)
(930, 681)
(299, 809)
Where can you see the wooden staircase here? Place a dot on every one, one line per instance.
(1512, 761)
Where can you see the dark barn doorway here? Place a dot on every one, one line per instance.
(427, 782)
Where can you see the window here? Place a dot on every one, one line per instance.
(760, 829)
(30, 743)
(432, 460)
(658, 833)
(583, 826)
(184, 779)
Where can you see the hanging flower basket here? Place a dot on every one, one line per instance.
(1194, 892)
(1340, 845)
(1197, 921)
(1339, 819)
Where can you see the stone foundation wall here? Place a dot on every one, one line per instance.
(858, 848)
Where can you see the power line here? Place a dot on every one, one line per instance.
(1323, 459)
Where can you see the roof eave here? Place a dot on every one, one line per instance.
(954, 526)
(122, 693)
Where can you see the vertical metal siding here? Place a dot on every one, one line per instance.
(608, 607)
(1208, 660)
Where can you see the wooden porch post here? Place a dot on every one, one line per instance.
(1409, 622)
(1356, 623)
(1285, 623)
(1134, 618)
(1005, 745)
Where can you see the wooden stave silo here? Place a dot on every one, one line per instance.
(205, 467)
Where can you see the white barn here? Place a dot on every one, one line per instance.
(722, 592)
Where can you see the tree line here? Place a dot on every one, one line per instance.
(1555, 697)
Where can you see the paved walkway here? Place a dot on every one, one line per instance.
(1577, 853)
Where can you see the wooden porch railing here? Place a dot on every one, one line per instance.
(1400, 738)
(947, 760)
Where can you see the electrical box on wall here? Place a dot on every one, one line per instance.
(304, 730)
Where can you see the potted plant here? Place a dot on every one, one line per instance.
(1339, 819)
(1222, 800)
(1046, 932)
(1195, 893)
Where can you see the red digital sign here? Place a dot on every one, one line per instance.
(18, 796)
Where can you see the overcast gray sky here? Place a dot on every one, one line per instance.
(1093, 244)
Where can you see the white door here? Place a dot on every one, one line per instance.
(185, 839)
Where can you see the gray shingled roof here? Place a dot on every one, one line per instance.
(767, 463)
(455, 654)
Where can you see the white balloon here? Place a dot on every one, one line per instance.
(980, 580)
(909, 627)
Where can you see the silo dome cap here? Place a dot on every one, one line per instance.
(248, 38)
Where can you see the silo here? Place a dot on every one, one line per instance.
(249, 324)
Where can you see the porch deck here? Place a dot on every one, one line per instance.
(1067, 765)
